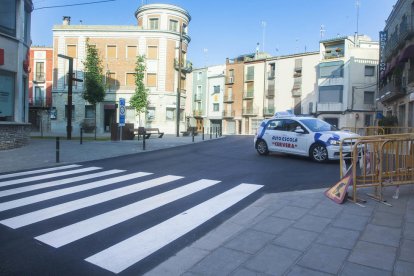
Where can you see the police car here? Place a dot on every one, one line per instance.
(306, 136)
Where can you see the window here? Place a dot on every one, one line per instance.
(152, 52)
(367, 120)
(216, 89)
(66, 111)
(131, 52)
(27, 21)
(332, 121)
(369, 71)
(170, 114)
(250, 73)
(150, 113)
(199, 75)
(111, 80)
(40, 72)
(111, 51)
(331, 70)
(74, 83)
(89, 112)
(330, 94)
(153, 23)
(216, 107)
(151, 80)
(130, 115)
(8, 17)
(130, 79)
(369, 97)
(39, 96)
(173, 25)
(71, 51)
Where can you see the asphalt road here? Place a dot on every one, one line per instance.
(231, 161)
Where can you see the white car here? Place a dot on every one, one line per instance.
(306, 136)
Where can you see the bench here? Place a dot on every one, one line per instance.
(149, 131)
(189, 131)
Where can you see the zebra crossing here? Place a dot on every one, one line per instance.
(61, 191)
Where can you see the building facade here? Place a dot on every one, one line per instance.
(396, 85)
(157, 36)
(14, 72)
(40, 88)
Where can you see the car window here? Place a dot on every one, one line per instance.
(275, 125)
(317, 125)
(291, 125)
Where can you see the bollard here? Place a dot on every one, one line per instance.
(216, 131)
(143, 141)
(203, 133)
(211, 132)
(81, 134)
(192, 134)
(57, 149)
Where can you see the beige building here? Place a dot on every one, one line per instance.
(157, 36)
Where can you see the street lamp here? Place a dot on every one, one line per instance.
(70, 80)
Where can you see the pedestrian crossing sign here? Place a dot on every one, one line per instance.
(338, 192)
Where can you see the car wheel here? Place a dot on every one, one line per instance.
(261, 147)
(318, 153)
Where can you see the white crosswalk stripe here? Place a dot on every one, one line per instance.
(87, 227)
(45, 176)
(124, 252)
(56, 183)
(10, 175)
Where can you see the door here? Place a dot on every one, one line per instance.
(297, 143)
(273, 136)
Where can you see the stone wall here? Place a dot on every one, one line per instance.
(14, 135)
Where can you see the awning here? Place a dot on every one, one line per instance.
(110, 106)
(406, 53)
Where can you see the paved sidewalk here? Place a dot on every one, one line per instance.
(294, 233)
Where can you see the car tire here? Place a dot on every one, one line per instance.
(318, 153)
(261, 147)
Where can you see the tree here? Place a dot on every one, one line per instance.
(94, 79)
(139, 100)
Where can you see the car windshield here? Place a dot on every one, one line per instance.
(317, 125)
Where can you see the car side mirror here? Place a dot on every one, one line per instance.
(299, 130)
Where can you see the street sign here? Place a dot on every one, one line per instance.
(121, 112)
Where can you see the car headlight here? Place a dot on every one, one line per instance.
(334, 142)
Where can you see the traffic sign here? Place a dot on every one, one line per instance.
(121, 112)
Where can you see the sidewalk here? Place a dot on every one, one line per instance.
(293, 233)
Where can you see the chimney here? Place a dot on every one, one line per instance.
(66, 20)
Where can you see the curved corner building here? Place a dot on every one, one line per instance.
(157, 36)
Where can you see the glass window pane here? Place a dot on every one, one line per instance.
(8, 17)
(7, 83)
(330, 94)
(89, 111)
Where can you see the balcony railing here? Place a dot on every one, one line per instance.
(330, 54)
(197, 113)
(197, 97)
(270, 92)
(228, 114)
(391, 91)
(271, 75)
(268, 111)
(228, 99)
(186, 66)
(249, 111)
(248, 95)
(395, 40)
(39, 77)
(326, 107)
(296, 92)
(38, 102)
(230, 80)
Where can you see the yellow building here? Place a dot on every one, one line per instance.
(157, 36)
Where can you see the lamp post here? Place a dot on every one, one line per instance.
(179, 81)
(70, 84)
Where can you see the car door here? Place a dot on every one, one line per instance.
(272, 135)
(296, 141)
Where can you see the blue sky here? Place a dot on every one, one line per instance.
(228, 28)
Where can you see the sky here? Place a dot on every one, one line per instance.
(221, 29)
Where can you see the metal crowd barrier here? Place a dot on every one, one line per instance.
(378, 130)
(379, 161)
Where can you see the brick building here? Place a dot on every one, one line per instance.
(157, 36)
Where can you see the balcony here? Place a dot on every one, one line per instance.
(39, 77)
(230, 80)
(391, 91)
(197, 97)
(398, 40)
(296, 92)
(249, 77)
(271, 75)
(268, 111)
(38, 102)
(228, 114)
(330, 54)
(186, 66)
(228, 99)
(270, 92)
(197, 113)
(248, 95)
(329, 107)
(249, 111)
